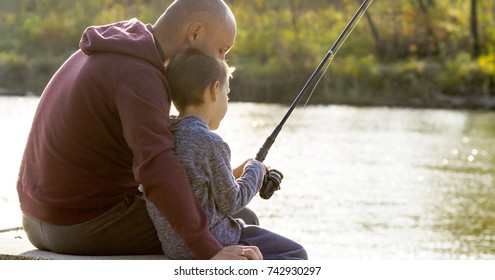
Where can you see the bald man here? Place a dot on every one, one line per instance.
(102, 128)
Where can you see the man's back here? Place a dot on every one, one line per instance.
(78, 162)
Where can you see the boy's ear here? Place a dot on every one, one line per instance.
(214, 90)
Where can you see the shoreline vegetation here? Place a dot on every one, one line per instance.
(436, 101)
(407, 53)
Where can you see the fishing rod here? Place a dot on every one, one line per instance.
(10, 229)
(274, 177)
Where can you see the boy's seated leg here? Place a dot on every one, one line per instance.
(272, 245)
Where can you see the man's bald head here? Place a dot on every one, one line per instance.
(183, 12)
(195, 22)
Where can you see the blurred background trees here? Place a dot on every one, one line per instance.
(404, 52)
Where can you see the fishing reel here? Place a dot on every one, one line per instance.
(271, 183)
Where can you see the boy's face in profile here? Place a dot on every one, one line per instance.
(221, 104)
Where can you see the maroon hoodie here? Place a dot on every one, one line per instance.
(102, 128)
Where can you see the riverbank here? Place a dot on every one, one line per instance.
(15, 92)
(435, 101)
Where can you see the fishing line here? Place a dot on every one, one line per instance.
(274, 177)
(299, 114)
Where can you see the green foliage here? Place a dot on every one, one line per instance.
(401, 50)
(462, 75)
(13, 68)
(419, 51)
(38, 35)
(487, 60)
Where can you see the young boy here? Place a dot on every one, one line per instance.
(199, 87)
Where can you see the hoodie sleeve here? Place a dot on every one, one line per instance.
(231, 195)
(143, 106)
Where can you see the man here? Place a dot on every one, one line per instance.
(102, 128)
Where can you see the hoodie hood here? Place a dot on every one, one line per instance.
(130, 37)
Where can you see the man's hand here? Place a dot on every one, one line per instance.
(238, 252)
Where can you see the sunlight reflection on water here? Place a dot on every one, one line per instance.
(360, 183)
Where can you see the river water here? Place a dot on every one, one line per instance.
(360, 183)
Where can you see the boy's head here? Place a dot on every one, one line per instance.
(195, 77)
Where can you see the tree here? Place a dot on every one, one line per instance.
(376, 35)
(432, 47)
(474, 29)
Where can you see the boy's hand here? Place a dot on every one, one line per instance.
(238, 171)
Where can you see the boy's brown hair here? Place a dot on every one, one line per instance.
(190, 72)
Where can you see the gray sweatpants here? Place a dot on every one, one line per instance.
(126, 229)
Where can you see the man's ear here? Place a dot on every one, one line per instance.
(214, 90)
(193, 31)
